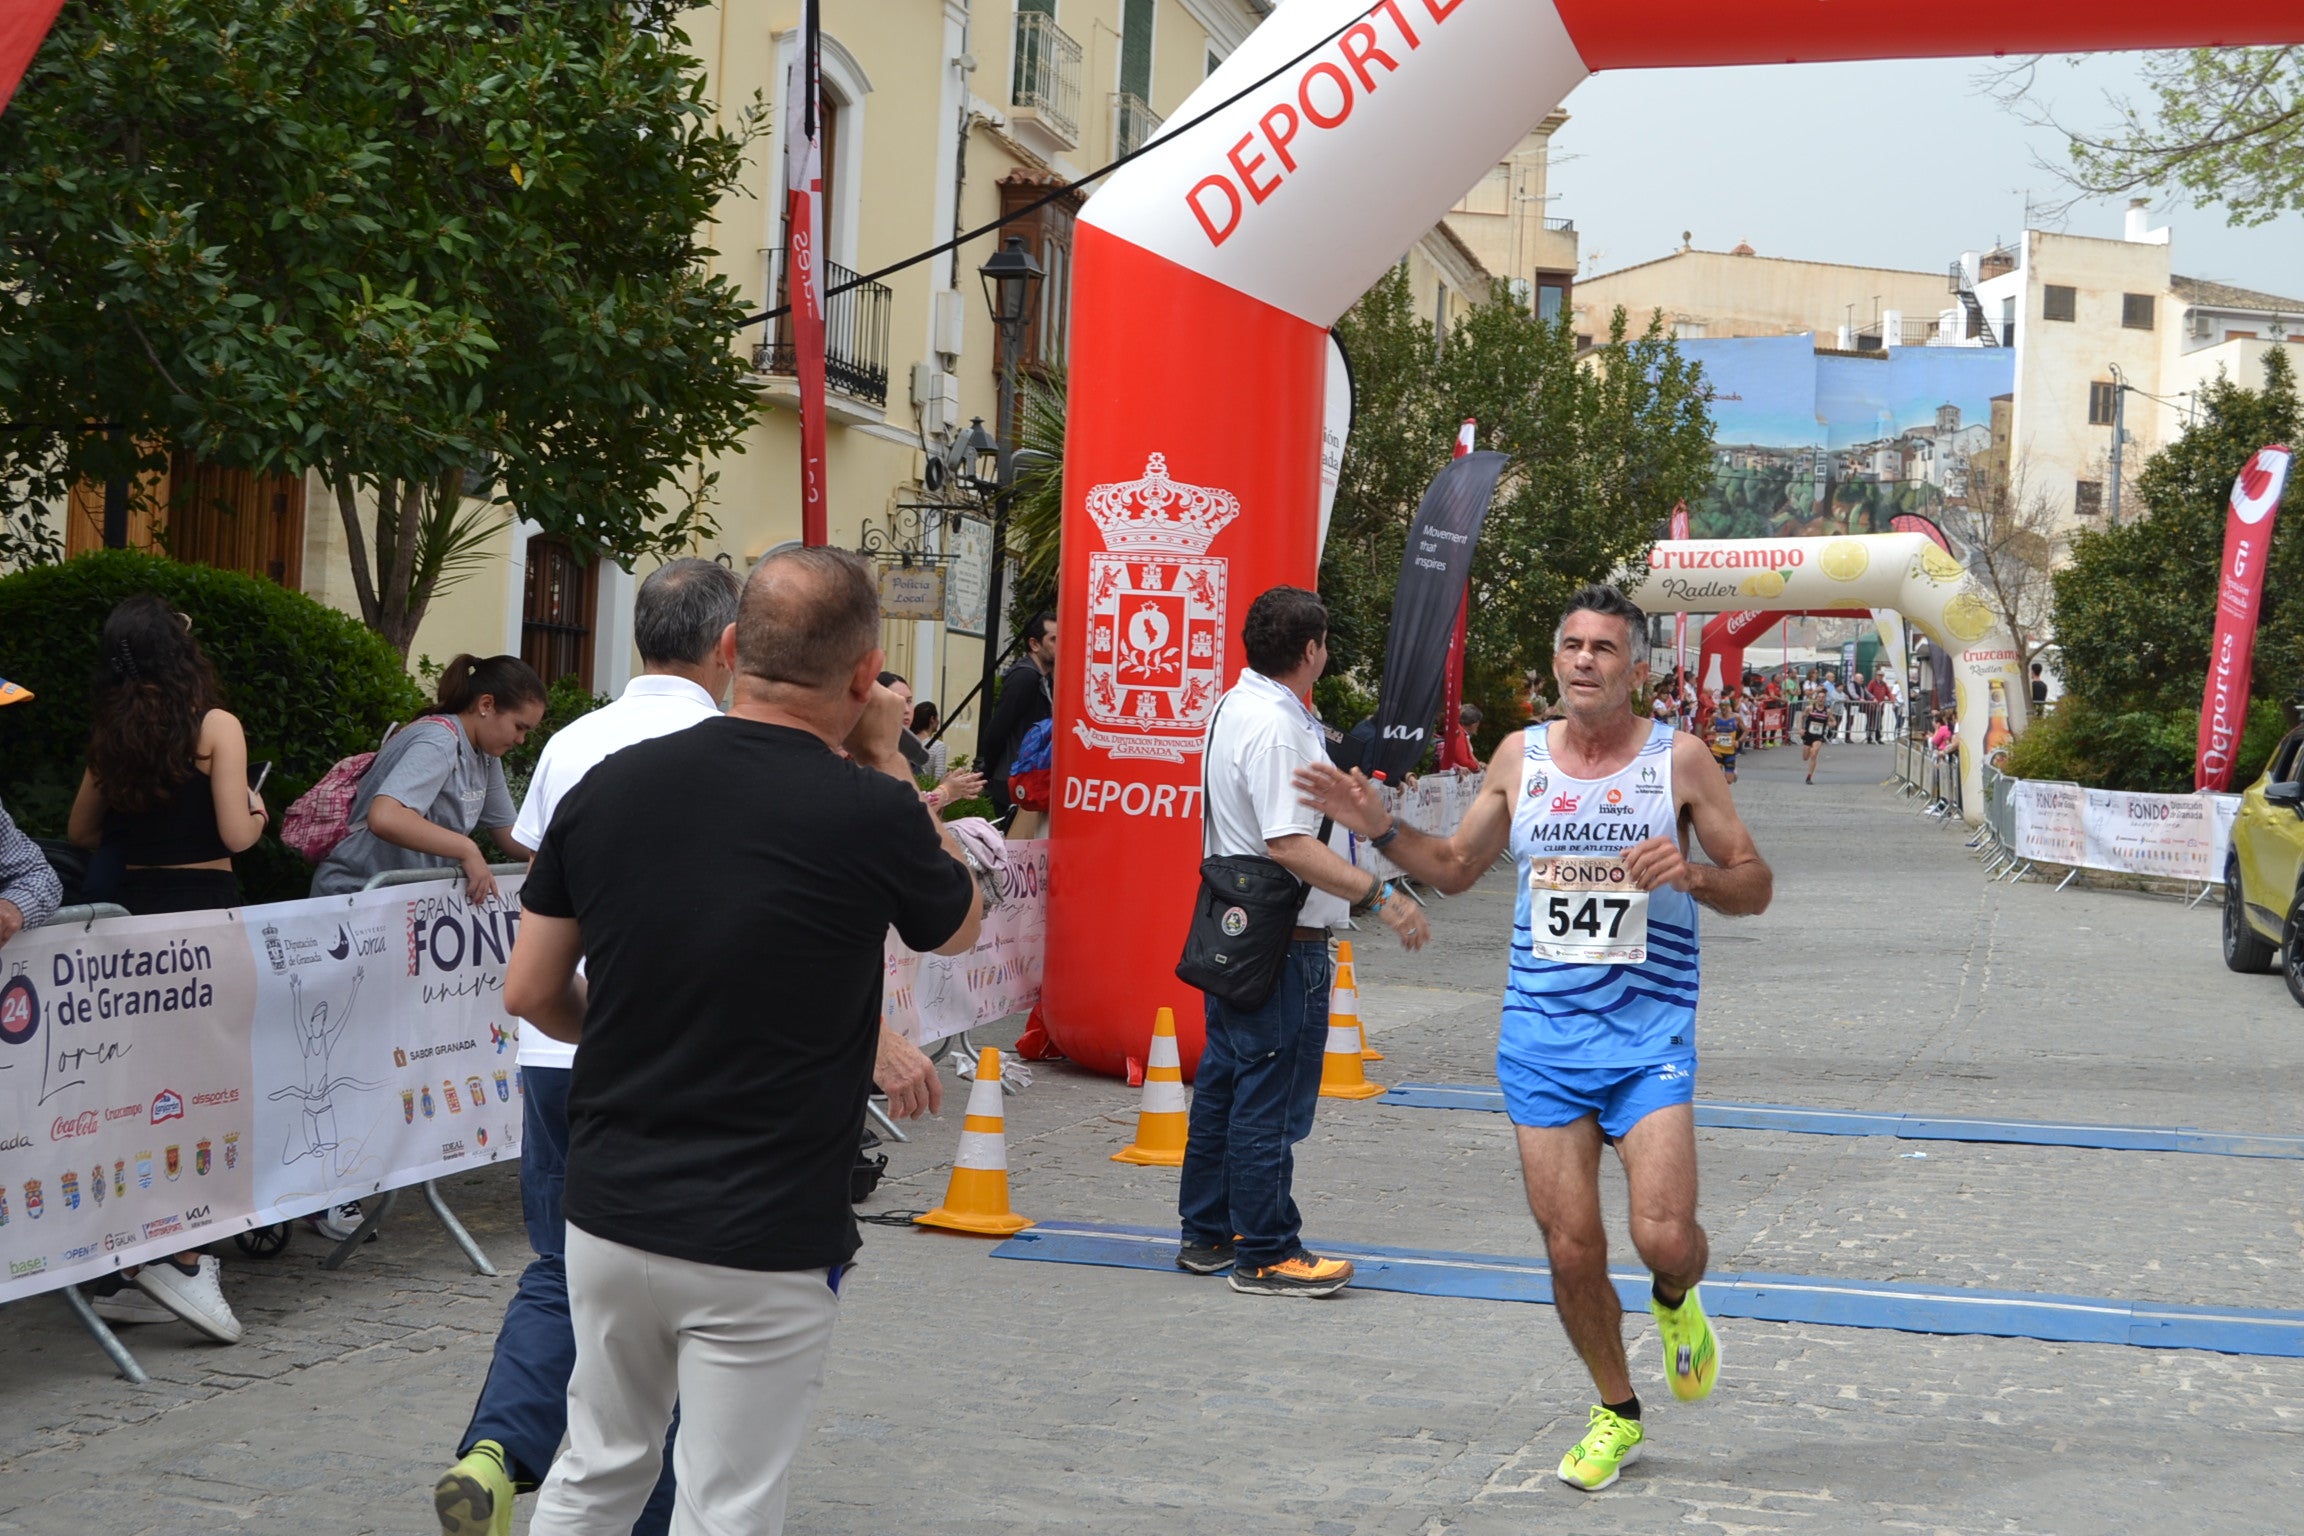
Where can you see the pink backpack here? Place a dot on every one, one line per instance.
(322, 815)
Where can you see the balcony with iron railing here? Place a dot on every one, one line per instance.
(1561, 226)
(1133, 123)
(855, 337)
(1047, 82)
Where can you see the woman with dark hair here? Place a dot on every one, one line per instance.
(166, 788)
(923, 728)
(439, 780)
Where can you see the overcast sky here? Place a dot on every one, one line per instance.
(1890, 165)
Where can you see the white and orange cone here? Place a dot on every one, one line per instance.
(1163, 1115)
(1344, 999)
(1341, 1076)
(977, 1198)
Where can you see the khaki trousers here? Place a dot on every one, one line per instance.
(741, 1350)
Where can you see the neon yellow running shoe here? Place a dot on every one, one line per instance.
(474, 1497)
(1691, 1352)
(1609, 1445)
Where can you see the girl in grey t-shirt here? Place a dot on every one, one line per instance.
(440, 779)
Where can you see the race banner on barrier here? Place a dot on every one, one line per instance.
(2177, 837)
(2050, 821)
(928, 997)
(169, 1081)
(1435, 803)
(383, 1054)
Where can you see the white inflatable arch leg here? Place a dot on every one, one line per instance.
(1903, 572)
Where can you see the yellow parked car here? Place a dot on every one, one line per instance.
(2264, 872)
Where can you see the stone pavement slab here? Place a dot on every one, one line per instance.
(969, 1395)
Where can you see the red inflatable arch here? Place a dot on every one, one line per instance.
(1205, 279)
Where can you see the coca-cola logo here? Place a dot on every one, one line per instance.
(84, 1123)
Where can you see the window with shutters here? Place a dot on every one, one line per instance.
(2103, 403)
(1047, 232)
(2136, 311)
(556, 612)
(2058, 302)
(1136, 48)
(2088, 498)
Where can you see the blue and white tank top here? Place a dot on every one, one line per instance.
(1595, 1011)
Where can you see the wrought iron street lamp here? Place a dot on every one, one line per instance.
(1011, 284)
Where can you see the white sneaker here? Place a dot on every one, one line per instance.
(129, 1304)
(197, 1298)
(339, 1223)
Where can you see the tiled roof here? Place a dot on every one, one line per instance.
(2215, 295)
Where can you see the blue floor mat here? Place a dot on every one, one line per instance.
(1838, 1122)
(1899, 1305)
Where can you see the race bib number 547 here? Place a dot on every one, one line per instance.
(1586, 911)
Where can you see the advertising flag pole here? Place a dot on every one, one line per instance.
(1455, 745)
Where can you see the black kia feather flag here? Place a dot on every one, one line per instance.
(1433, 570)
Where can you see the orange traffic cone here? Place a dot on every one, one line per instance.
(1344, 999)
(1341, 1076)
(1161, 1117)
(977, 1198)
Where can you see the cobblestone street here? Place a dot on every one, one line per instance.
(971, 1396)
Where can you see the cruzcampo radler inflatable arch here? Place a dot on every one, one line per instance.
(1205, 277)
(1905, 572)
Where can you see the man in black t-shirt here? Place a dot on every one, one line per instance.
(729, 889)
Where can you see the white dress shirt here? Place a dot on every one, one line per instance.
(1262, 735)
(652, 705)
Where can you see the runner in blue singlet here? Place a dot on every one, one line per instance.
(1598, 1037)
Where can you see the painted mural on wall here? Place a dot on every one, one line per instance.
(1807, 444)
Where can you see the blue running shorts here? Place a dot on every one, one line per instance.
(1546, 1096)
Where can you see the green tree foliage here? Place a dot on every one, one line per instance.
(2136, 607)
(309, 685)
(2223, 125)
(1599, 450)
(1036, 516)
(431, 249)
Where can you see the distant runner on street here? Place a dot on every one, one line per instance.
(1598, 1042)
(1815, 730)
(1727, 736)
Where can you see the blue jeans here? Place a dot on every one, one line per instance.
(523, 1405)
(1252, 1101)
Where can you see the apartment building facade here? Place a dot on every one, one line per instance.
(2110, 341)
(1738, 292)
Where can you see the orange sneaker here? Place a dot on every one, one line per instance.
(1307, 1274)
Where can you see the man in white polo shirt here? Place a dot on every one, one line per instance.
(522, 1414)
(1259, 1077)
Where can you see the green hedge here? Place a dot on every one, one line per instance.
(309, 685)
(2138, 749)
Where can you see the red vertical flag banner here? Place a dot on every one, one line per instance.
(2239, 594)
(1680, 620)
(1455, 745)
(22, 24)
(804, 269)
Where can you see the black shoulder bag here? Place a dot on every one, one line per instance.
(1243, 916)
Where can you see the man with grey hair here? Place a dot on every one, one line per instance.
(729, 1009)
(1597, 1040)
(682, 613)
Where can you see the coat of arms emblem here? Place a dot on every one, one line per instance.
(1155, 615)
